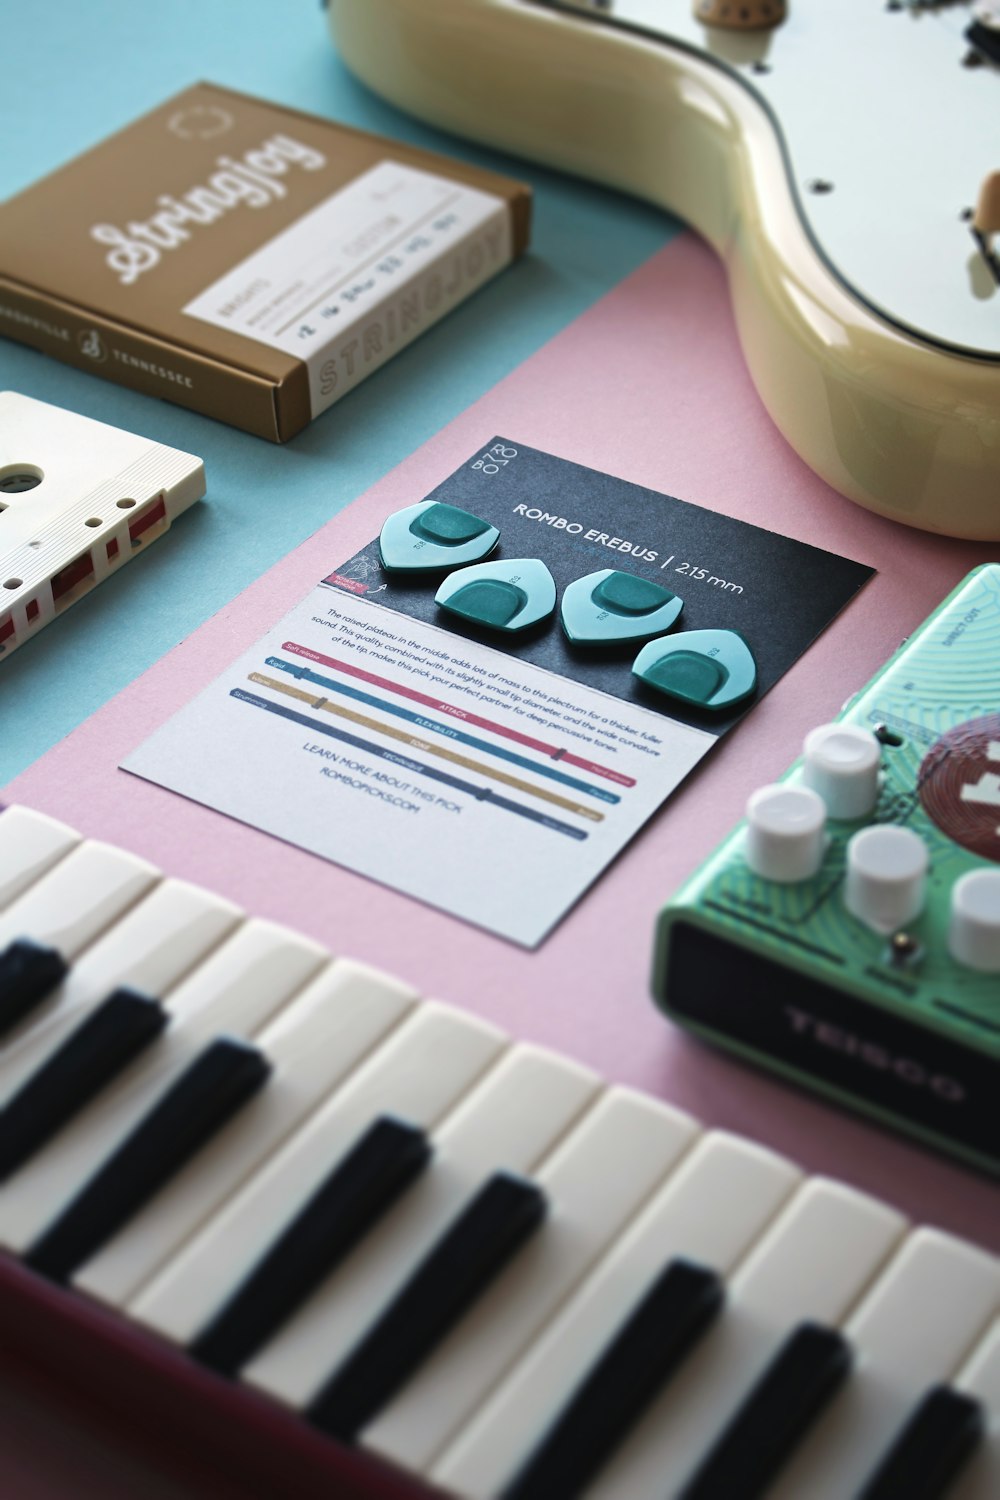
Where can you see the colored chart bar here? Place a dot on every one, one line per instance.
(416, 767)
(325, 706)
(459, 736)
(460, 713)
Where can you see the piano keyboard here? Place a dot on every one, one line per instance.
(467, 1257)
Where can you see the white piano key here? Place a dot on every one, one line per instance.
(917, 1323)
(30, 844)
(597, 1180)
(515, 1116)
(150, 948)
(768, 1294)
(78, 898)
(979, 1377)
(420, 1072)
(236, 990)
(313, 1045)
(813, 1262)
(905, 1323)
(711, 1210)
(70, 906)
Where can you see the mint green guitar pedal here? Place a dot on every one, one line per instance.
(847, 934)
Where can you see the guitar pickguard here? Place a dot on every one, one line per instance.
(833, 163)
(888, 127)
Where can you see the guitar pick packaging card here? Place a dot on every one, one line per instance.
(400, 721)
(245, 260)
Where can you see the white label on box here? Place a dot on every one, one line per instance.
(362, 274)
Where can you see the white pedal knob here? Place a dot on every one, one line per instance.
(974, 932)
(886, 877)
(785, 832)
(740, 15)
(841, 763)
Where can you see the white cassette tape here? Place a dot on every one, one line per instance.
(78, 500)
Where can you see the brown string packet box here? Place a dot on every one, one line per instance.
(248, 261)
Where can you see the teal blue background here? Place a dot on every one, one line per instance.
(74, 72)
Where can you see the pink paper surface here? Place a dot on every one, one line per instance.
(650, 385)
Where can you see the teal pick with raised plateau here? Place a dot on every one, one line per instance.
(507, 596)
(705, 668)
(611, 606)
(431, 536)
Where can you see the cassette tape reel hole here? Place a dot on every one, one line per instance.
(15, 479)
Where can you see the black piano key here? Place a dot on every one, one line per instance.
(29, 972)
(636, 1364)
(476, 1247)
(774, 1417)
(221, 1079)
(359, 1189)
(95, 1053)
(927, 1453)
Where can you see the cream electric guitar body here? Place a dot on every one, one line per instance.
(833, 162)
